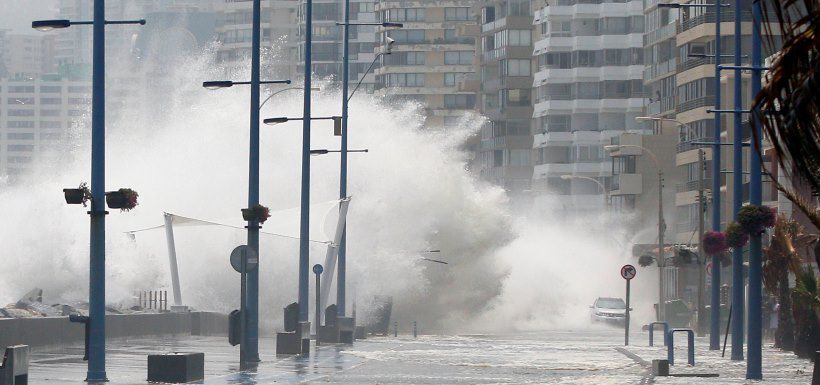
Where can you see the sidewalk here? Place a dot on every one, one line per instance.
(779, 368)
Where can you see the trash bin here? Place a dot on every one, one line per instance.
(678, 314)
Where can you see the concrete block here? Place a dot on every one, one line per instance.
(328, 334)
(176, 368)
(360, 333)
(288, 343)
(14, 369)
(660, 368)
(346, 328)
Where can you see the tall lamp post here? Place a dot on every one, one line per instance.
(714, 318)
(96, 293)
(661, 224)
(754, 359)
(342, 251)
(249, 348)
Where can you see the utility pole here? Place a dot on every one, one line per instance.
(661, 260)
(701, 329)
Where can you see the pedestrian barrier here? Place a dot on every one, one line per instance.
(670, 348)
(652, 330)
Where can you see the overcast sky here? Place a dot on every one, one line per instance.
(18, 14)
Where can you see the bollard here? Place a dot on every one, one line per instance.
(396, 329)
(670, 348)
(665, 332)
(415, 330)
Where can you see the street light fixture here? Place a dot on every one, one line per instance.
(607, 200)
(326, 151)
(317, 89)
(217, 84)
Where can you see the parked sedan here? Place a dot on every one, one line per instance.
(610, 310)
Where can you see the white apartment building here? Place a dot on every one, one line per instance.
(35, 117)
(25, 55)
(588, 87)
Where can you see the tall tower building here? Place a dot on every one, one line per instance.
(588, 88)
(434, 50)
(504, 52)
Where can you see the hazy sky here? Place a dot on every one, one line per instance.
(18, 14)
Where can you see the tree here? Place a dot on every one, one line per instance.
(806, 304)
(788, 105)
(780, 258)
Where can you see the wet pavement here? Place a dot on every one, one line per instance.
(551, 357)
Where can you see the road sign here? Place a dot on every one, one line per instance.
(318, 269)
(244, 251)
(628, 272)
(709, 269)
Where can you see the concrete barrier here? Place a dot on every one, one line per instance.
(58, 331)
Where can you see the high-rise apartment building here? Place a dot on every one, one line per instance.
(278, 35)
(504, 52)
(25, 55)
(432, 52)
(588, 87)
(327, 50)
(35, 117)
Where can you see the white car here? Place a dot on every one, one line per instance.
(610, 310)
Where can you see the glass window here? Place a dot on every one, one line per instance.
(20, 136)
(458, 57)
(519, 37)
(460, 13)
(515, 67)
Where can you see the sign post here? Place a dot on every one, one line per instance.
(243, 259)
(318, 269)
(627, 272)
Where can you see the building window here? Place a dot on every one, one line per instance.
(519, 37)
(50, 135)
(21, 112)
(20, 148)
(459, 101)
(20, 135)
(21, 124)
(459, 57)
(515, 67)
(460, 13)
(21, 89)
(51, 89)
(405, 80)
(405, 14)
(407, 35)
(48, 124)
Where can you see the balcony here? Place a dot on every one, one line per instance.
(707, 101)
(694, 63)
(726, 16)
(693, 185)
(627, 184)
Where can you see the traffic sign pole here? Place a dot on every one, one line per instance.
(627, 273)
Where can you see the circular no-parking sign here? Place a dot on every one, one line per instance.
(247, 253)
(628, 272)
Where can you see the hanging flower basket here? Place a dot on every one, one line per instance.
(646, 260)
(124, 199)
(258, 212)
(736, 238)
(714, 243)
(76, 196)
(754, 220)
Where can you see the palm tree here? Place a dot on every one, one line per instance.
(806, 304)
(780, 258)
(788, 105)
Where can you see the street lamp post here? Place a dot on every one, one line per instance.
(661, 223)
(342, 251)
(249, 345)
(754, 360)
(304, 221)
(96, 293)
(714, 321)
